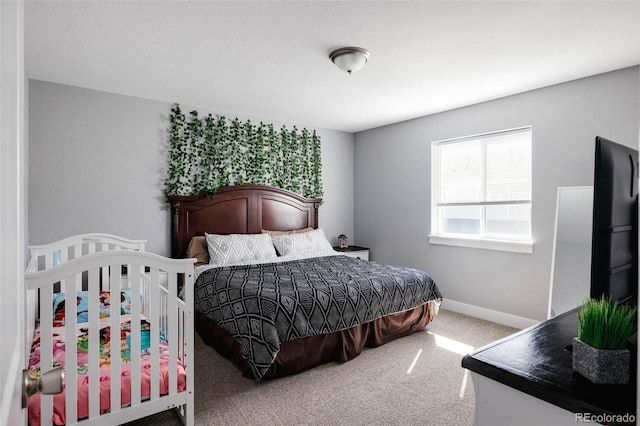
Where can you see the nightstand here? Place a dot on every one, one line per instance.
(354, 251)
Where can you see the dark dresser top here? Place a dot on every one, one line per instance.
(350, 248)
(538, 361)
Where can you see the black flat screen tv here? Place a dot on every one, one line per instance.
(614, 249)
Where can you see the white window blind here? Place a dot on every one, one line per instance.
(481, 186)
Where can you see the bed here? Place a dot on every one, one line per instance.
(272, 328)
(123, 298)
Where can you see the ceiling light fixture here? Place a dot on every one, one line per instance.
(349, 59)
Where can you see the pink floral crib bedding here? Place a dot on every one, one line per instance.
(106, 346)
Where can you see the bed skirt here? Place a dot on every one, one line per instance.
(308, 352)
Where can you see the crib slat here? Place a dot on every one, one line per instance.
(46, 348)
(71, 353)
(115, 358)
(77, 250)
(94, 343)
(173, 332)
(155, 333)
(134, 275)
(189, 344)
(48, 260)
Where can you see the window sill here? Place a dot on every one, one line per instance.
(500, 245)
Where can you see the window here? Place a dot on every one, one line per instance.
(481, 191)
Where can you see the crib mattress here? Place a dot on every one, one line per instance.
(107, 344)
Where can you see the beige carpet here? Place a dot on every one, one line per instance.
(413, 380)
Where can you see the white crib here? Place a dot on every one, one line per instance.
(131, 386)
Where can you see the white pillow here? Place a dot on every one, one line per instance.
(234, 249)
(311, 243)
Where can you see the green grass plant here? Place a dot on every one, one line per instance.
(605, 323)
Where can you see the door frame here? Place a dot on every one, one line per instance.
(13, 211)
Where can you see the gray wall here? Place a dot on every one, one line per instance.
(97, 162)
(392, 185)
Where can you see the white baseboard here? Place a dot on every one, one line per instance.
(488, 314)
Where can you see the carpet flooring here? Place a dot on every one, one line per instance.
(413, 380)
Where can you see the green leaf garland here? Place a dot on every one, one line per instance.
(205, 154)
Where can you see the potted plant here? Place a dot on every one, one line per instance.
(600, 351)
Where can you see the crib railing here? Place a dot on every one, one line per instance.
(46, 256)
(153, 283)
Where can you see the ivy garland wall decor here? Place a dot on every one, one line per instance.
(205, 154)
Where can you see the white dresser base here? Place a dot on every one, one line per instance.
(501, 405)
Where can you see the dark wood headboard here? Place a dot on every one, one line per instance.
(240, 209)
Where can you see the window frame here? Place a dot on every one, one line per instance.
(512, 243)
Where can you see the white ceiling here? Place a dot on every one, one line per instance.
(270, 58)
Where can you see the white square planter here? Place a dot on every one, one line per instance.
(601, 366)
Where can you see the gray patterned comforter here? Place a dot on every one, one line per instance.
(265, 304)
